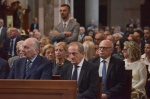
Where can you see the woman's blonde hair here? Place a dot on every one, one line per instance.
(63, 44)
(133, 50)
(47, 47)
(89, 49)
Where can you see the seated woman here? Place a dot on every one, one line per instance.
(49, 52)
(60, 54)
(19, 49)
(43, 41)
(132, 56)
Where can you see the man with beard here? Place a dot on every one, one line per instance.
(66, 31)
(32, 65)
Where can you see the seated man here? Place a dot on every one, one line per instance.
(84, 72)
(4, 69)
(32, 66)
(112, 71)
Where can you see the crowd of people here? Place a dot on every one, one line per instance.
(80, 53)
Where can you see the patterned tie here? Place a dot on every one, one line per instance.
(104, 77)
(28, 66)
(75, 73)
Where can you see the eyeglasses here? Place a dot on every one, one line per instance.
(104, 48)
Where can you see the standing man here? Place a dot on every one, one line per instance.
(112, 71)
(32, 66)
(34, 25)
(66, 31)
(84, 72)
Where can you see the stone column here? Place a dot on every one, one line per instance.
(46, 16)
(92, 11)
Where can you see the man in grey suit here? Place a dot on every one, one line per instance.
(3, 35)
(66, 31)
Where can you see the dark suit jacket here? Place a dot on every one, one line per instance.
(88, 82)
(4, 69)
(71, 27)
(3, 35)
(41, 69)
(116, 76)
(6, 46)
(32, 27)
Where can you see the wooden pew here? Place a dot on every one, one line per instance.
(128, 88)
(38, 89)
(99, 92)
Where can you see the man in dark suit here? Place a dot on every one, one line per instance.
(4, 69)
(67, 30)
(3, 35)
(34, 25)
(112, 71)
(11, 42)
(84, 72)
(32, 66)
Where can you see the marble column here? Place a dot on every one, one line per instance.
(92, 11)
(46, 16)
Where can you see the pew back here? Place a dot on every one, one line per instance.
(38, 89)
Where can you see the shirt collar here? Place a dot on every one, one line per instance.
(66, 22)
(81, 63)
(107, 59)
(32, 60)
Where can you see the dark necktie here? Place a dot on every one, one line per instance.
(28, 66)
(104, 77)
(11, 47)
(75, 73)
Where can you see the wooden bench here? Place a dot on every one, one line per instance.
(38, 89)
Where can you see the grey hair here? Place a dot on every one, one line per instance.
(80, 46)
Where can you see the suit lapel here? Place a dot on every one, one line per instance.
(82, 72)
(111, 63)
(23, 68)
(36, 63)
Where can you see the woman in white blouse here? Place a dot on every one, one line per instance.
(132, 60)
